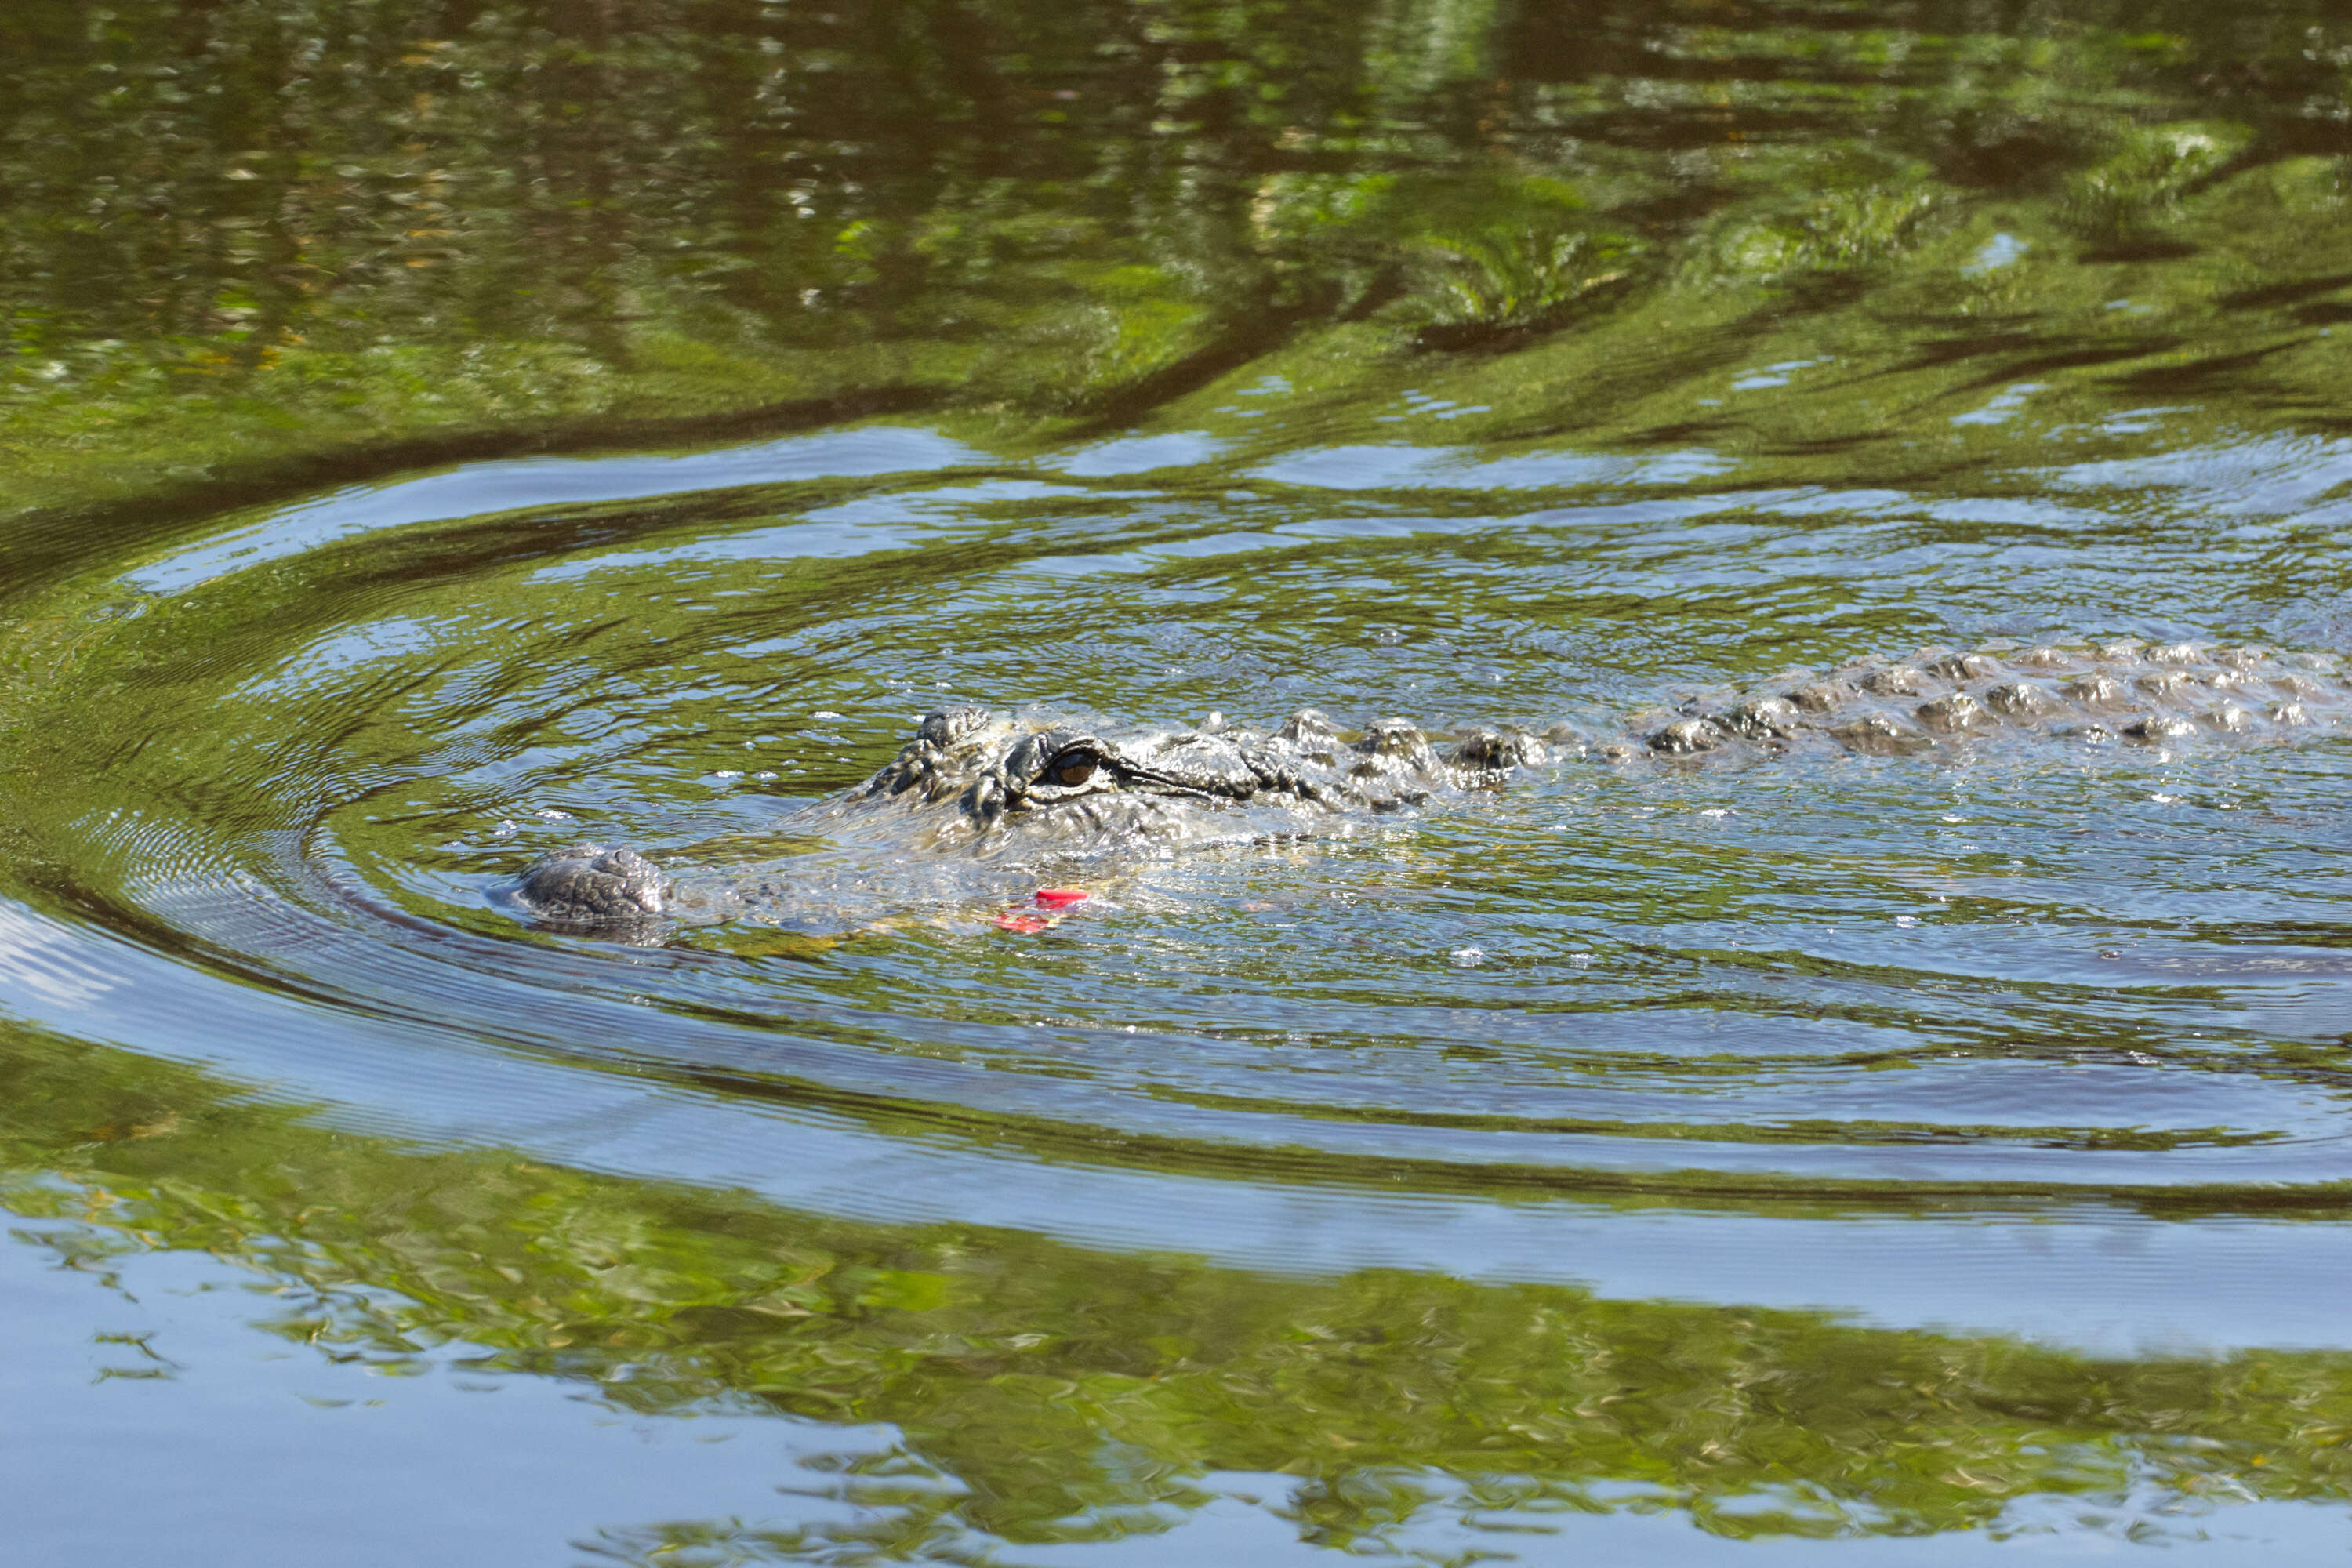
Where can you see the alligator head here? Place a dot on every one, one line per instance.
(979, 785)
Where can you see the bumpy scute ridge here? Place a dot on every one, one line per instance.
(2161, 694)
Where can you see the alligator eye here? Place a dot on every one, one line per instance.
(1072, 768)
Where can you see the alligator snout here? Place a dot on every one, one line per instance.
(590, 884)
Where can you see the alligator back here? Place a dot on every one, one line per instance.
(2107, 693)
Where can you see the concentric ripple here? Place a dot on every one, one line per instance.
(301, 752)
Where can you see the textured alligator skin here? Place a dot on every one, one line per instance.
(973, 785)
(2120, 692)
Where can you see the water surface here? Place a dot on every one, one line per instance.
(540, 432)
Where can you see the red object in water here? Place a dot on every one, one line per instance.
(1027, 925)
(1061, 898)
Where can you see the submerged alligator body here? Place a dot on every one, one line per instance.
(974, 788)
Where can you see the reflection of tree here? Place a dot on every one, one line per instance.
(1066, 1390)
(427, 213)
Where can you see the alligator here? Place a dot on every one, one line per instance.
(980, 789)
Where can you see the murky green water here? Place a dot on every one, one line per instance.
(431, 433)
